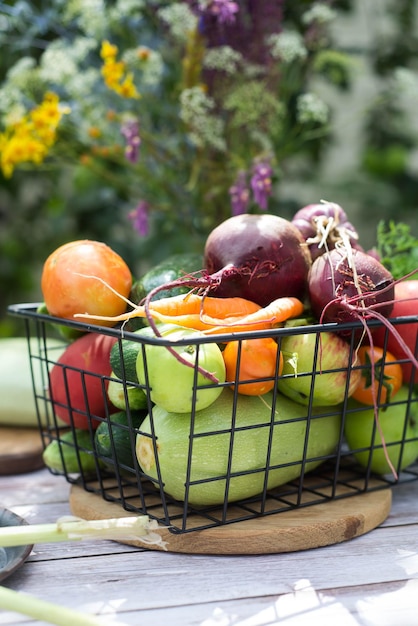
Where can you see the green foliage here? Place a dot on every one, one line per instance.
(397, 248)
(216, 99)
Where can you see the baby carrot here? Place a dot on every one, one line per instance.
(274, 313)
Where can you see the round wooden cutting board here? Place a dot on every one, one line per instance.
(302, 529)
(20, 450)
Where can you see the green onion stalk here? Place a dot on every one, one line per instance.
(138, 528)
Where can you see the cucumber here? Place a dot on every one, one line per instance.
(60, 455)
(135, 396)
(124, 365)
(212, 441)
(175, 266)
(113, 440)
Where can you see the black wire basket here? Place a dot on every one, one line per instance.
(242, 457)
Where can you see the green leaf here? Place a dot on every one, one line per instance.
(397, 248)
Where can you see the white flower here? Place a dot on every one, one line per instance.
(222, 58)
(179, 18)
(149, 61)
(91, 14)
(310, 108)
(195, 111)
(320, 13)
(56, 66)
(194, 103)
(14, 113)
(287, 46)
(82, 85)
(80, 48)
(22, 76)
(124, 7)
(19, 69)
(208, 131)
(60, 63)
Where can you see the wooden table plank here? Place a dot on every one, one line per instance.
(359, 605)
(140, 577)
(372, 579)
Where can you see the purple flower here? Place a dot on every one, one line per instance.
(140, 219)
(261, 183)
(240, 194)
(130, 131)
(223, 10)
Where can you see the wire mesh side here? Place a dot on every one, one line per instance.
(281, 480)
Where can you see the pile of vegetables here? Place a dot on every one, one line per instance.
(219, 371)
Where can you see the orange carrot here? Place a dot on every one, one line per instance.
(183, 306)
(221, 308)
(273, 314)
(276, 312)
(245, 316)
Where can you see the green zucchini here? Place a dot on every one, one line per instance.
(212, 443)
(113, 438)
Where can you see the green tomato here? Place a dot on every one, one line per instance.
(171, 382)
(359, 430)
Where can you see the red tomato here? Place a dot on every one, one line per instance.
(76, 384)
(67, 291)
(406, 303)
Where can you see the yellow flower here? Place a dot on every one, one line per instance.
(114, 73)
(47, 113)
(127, 88)
(29, 138)
(113, 70)
(108, 50)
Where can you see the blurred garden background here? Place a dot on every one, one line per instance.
(144, 123)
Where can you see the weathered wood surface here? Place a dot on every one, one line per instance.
(371, 579)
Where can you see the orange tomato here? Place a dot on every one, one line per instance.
(78, 277)
(257, 360)
(391, 377)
